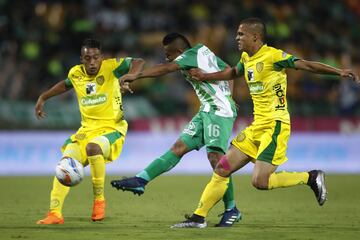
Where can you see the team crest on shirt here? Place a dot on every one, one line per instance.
(90, 88)
(240, 137)
(250, 74)
(259, 67)
(100, 80)
(80, 136)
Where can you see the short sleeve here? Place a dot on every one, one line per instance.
(240, 68)
(122, 66)
(221, 64)
(283, 60)
(187, 60)
(68, 83)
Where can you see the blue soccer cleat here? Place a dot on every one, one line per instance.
(229, 217)
(133, 184)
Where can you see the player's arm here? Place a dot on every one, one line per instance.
(228, 73)
(57, 89)
(136, 66)
(155, 71)
(321, 68)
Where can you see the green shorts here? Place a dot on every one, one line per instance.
(210, 130)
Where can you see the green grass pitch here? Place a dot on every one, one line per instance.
(291, 213)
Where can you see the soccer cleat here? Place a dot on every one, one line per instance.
(51, 218)
(98, 213)
(194, 221)
(133, 184)
(229, 217)
(317, 183)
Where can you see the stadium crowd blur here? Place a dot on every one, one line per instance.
(40, 41)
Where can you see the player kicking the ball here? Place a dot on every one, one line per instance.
(210, 127)
(264, 142)
(103, 128)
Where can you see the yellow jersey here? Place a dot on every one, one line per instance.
(266, 78)
(99, 96)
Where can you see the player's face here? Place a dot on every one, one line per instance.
(171, 53)
(244, 38)
(91, 58)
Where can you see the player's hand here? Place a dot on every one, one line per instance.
(39, 113)
(125, 87)
(348, 73)
(196, 74)
(129, 77)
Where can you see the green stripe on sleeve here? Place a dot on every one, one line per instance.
(240, 68)
(123, 68)
(287, 63)
(68, 83)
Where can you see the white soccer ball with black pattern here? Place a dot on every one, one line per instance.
(69, 172)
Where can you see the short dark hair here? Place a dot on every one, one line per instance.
(171, 37)
(257, 25)
(91, 43)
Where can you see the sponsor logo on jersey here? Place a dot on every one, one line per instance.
(90, 88)
(100, 80)
(281, 97)
(256, 87)
(190, 129)
(250, 74)
(93, 100)
(259, 67)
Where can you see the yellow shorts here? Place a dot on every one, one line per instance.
(264, 142)
(81, 138)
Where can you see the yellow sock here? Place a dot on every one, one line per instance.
(57, 197)
(97, 169)
(287, 179)
(213, 193)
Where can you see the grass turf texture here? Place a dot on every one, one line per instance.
(291, 213)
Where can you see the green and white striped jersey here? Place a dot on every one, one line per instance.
(214, 96)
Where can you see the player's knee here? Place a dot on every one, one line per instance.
(179, 148)
(221, 171)
(214, 158)
(260, 183)
(93, 149)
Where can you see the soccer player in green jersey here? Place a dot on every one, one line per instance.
(210, 127)
(100, 138)
(264, 142)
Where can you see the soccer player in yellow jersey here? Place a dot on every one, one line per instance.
(103, 128)
(264, 142)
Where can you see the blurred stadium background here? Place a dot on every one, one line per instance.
(40, 41)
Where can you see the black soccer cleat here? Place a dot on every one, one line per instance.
(317, 183)
(135, 185)
(229, 217)
(194, 221)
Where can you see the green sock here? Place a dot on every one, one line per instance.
(159, 166)
(228, 198)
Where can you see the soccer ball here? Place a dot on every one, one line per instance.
(69, 172)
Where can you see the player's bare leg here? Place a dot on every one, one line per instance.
(214, 191)
(157, 167)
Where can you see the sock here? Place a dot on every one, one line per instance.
(213, 193)
(97, 169)
(159, 166)
(228, 198)
(57, 197)
(287, 179)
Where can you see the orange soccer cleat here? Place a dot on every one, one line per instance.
(51, 218)
(98, 213)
